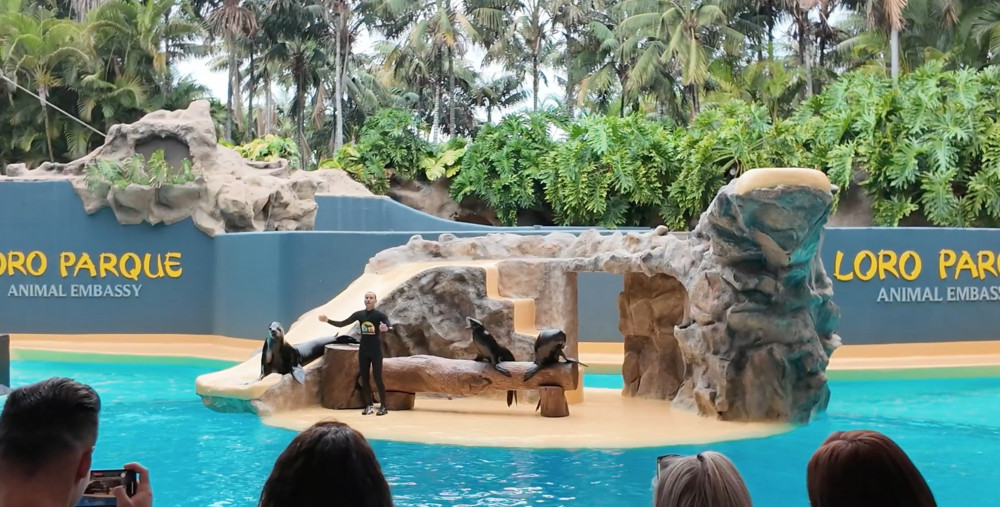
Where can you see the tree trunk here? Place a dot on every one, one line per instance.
(534, 80)
(894, 55)
(230, 99)
(48, 136)
(166, 56)
(338, 85)
(251, 122)
(451, 93)
(268, 105)
(436, 124)
(300, 96)
(802, 20)
(569, 103)
(695, 107)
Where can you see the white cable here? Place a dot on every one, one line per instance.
(29, 92)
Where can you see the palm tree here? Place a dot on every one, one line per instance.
(236, 23)
(36, 47)
(441, 31)
(501, 92)
(689, 30)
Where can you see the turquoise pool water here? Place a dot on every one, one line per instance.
(199, 458)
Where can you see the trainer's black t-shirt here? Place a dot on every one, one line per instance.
(369, 322)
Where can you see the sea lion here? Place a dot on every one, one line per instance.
(548, 349)
(491, 351)
(278, 356)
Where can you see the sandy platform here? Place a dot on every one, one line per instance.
(603, 420)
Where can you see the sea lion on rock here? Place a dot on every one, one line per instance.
(491, 351)
(278, 356)
(548, 349)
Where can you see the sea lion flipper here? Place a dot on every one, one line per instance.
(501, 369)
(299, 374)
(511, 397)
(571, 360)
(531, 372)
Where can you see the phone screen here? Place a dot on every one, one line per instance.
(98, 492)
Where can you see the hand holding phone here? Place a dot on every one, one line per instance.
(118, 488)
(142, 495)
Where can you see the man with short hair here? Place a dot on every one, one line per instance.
(373, 323)
(47, 436)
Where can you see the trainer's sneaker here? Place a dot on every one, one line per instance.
(369, 409)
(382, 410)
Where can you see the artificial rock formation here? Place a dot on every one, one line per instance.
(229, 193)
(650, 308)
(735, 321)
(428, 313)
(435, 199)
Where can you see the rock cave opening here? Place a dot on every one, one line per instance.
(175, 151)
(649, 309)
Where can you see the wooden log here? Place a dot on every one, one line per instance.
(552, 400)
(433, 374)
(340, 368)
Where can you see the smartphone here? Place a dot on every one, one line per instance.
(98, 492)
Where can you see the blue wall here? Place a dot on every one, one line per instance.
(235, 284)
(944, 309)
(49, 217)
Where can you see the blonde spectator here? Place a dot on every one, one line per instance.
(708, 479)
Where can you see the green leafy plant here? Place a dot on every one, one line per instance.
(502, 166)
(136, 170)
(610, 171)
(389, 147)
(929, 145)
(270, 148)
(445, 161)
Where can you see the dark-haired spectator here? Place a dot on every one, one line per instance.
(708, 479)
(328, 464)
(47, 435)
(863, 468)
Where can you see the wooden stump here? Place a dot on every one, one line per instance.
(395, 400)
(553, 401)
(341, 369)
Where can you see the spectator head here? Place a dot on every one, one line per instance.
(47, 430)
(329, 461)
(864, 468)
(708, 479)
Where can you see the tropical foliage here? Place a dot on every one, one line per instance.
(136, 170)
(660, 102)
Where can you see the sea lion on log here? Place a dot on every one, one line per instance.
(549, 347)
(278, 356)
(491, 351)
